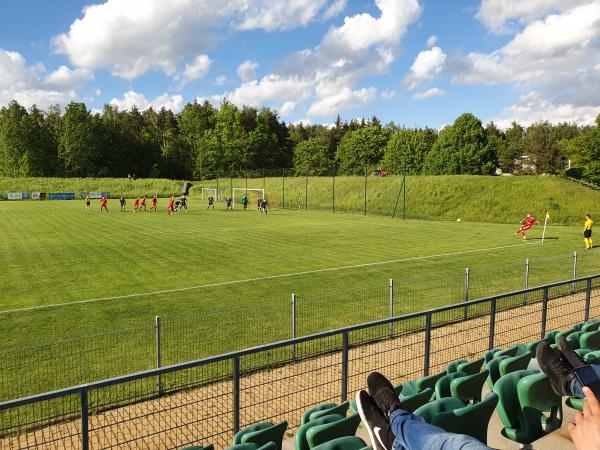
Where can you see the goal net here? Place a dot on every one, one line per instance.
(251, 194)
(206, 192)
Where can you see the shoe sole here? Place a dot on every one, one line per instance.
(374, 441)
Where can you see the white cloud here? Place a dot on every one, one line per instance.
(195, 69)
(132, 98)
(220, 80)
(504, 16)
(329, 74)
(31, 84)
(533, 107)
(342, 100)
(131, 37)
(545, 52)
(555, 56)
(247, 70)
(433, 92)
(270, 89)
(426, 66)
(432, 40)
(388, 94)
(334, 9)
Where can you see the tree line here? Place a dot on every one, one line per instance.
(202, 142)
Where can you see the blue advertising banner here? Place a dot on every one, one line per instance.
(61, 196)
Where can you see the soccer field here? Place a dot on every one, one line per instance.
(80, 290)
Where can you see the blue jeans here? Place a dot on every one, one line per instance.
(413, 433)
(575, 386)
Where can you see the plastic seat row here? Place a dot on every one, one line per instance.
(523, 399)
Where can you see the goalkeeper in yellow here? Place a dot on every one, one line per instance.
(587, 231)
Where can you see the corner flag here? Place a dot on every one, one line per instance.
(545, 224)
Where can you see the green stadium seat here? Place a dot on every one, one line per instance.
(472, 367)
(566, 334)
(532, 346)
(252, 446)
(326, 409)
(442, 386)
(590, 340)
(515, 363)
(472, 420)
(468, 388)
(510, 351)
(453, 366)
(320, 434)
(493, 368)
(591, 357)
(551, 335)
(261, 433)
(590, 325)
(436, 407)
(344, 443)
(574, 403)
(415, 386)
(583, 351)
(489, 355)
(525, 396)
(415, 401)
(301, 438)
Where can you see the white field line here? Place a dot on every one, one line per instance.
(270, 277)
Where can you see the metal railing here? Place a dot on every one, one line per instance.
(208, 400)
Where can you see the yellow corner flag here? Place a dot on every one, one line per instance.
(545, 223)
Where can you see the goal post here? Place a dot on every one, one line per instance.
(245, 190)
(209, 191)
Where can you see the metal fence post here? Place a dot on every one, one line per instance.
(391, 325)
(427, 344)
(588, 297)
(236, 394)
(345, 346)
(282, 188)
(306, 192)
(574, 270)
(333, 190)
(526, 278)
(544, 312)
(492, 324)
(217, 199)
(85, 438)
(404, 201)
(158, 355)
(294, 325)
(366, 174)
(467, 280)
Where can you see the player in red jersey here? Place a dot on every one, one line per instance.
(136, 205)
(154, 203)
(171, 205)
(528, 221)
(143, 204)
(103, 203)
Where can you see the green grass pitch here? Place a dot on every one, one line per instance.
(223, 280)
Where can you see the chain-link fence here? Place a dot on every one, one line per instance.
(213, 328)
(206, 401)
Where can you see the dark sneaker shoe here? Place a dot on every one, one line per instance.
(383, 393)
(559, 372)
(376, 423)
(569, 355)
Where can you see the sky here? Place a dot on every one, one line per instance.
(414, 62)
